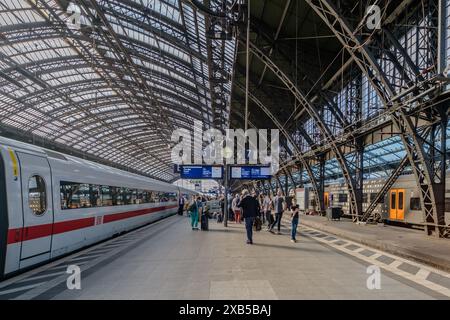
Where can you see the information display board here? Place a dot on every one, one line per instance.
(250, 172)
(201, 172)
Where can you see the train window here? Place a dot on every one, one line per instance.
(393, 197)
(342, 197)
(106, 195)
(139, 196)
(414, 204)
(148, 196)
(134, 196)
(37, 195)
(94, 192)
(117, 196)
(126, 195)
(400, 200)
(75, 195)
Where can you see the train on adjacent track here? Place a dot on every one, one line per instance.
(401, 205)
(52, 204)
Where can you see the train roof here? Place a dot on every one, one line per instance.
(79, 162)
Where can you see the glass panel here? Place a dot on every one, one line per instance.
(400, 200)
(393, 199)
(414, 204)
(74, 195)
(106, 195)
(37, 195)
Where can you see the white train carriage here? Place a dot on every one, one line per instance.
(401, 204)
(52, 204)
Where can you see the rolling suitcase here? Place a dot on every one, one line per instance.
(257, 224)
(204, 222)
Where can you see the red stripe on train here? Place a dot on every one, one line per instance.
(125, 215)
(45, 230)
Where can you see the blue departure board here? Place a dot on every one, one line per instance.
(201, 172)
(250, 172)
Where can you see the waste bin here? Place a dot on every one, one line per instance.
(334, 213)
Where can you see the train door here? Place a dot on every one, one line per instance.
(397, 204)
(37, 207)
(326, 200)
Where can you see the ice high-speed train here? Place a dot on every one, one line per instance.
(52, 204)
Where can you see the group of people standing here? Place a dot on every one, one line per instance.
(267, 208)
(249, 207)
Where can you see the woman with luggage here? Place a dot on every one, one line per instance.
(194, 211)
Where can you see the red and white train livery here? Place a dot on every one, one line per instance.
(52, 204)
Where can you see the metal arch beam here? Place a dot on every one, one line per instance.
(89, 84)
(433, 211)
(60, 64)
(261, 30)
(81, 130)
(48, 12)
(79, 37)
(114, 100)
(297, 153)
(158, 35)
(355, 195)
(147, 27)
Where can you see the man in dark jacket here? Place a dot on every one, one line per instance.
(250, 208)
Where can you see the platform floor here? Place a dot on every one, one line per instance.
(410, 243)
(170, 261)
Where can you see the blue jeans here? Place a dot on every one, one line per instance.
(249, 227)
(294, 225)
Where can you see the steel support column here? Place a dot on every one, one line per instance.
(416, 140)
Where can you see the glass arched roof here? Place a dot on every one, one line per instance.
(110, 78)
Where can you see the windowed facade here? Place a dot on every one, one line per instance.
(342, 197)
(76, 195)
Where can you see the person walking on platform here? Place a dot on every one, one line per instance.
(181, 202)
(194, 210)
(250, 209)
(279, 207)
(236, 208)
(294, 222)
(262, 214)
(267, 207)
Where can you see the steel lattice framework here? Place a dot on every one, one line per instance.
(111, 79)
(389, 83)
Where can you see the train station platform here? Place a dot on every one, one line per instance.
(168, 260)
(409, 243)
